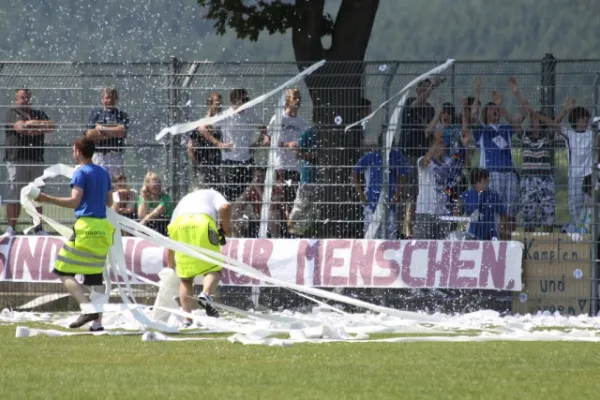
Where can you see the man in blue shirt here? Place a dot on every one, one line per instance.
(86, 251)
(371, 166)
(485, 208)
(107, 126)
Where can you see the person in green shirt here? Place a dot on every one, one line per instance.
(305, 210)
(154, 207)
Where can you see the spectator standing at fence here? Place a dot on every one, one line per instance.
(414, 142)
(495, 142)
(431, 201)
(154, 207)
(538, 191)
(489, 217)
(240, 133)
(579, 140)
(203, 146)
(108, 126)
(305, 211)
(86, 251)
(25, 129)
(372, 167)
(287, 164)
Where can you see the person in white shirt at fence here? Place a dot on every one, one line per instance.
(108, 126)
(287, 164)
(194, 222)
(240, 134)
(579, 140)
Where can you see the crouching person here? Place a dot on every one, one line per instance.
(86, 251)
(194, 222)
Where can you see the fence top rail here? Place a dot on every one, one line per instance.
(207, 62)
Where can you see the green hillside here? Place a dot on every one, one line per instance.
(404, 30)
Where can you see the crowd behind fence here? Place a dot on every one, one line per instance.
(480, 141)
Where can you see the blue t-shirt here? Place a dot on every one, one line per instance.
(495, 147)
(95, 182)
(483, 208)
(307, 144)
(371, 165)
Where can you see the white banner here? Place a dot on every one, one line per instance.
(319, 263)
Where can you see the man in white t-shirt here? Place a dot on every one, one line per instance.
(241, 134)
(194, 222)
(287, 165)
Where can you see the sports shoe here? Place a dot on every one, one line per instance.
(98, 329)
(84, 319)
(187, 324)
(10, 231)
(206, 301)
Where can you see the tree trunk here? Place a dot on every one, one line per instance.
(336, 91)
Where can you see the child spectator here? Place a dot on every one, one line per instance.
(305, 211)
(537, 179)
(371, 166)
(485, 208)
(124, 198)
(579, 139)
(431, 200)
(154, 207)
(250, 207)
(495, 142)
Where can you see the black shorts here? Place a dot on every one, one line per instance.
(289, 191)
(88, 280)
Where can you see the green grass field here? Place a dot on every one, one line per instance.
(124, 367)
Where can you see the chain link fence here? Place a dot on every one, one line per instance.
(559, 272)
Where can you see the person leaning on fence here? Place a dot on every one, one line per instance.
(201, 218)
(154, 206)
(489, 218)
(287, 164)
(86, 251)
(108, 126)
(372, 167)
(305, 209)
(25, 129)
(414, 142)
(203, 146)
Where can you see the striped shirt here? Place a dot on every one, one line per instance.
(536, 155)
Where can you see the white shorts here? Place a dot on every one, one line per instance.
(392, 230)
(507, 185)
(112, 162)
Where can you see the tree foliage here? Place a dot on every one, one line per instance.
(249, 20)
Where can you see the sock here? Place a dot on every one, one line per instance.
(96, 324)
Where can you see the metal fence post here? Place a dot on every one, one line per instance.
(548, 85)
(594, 249)
(172, 159)
(385, 161)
